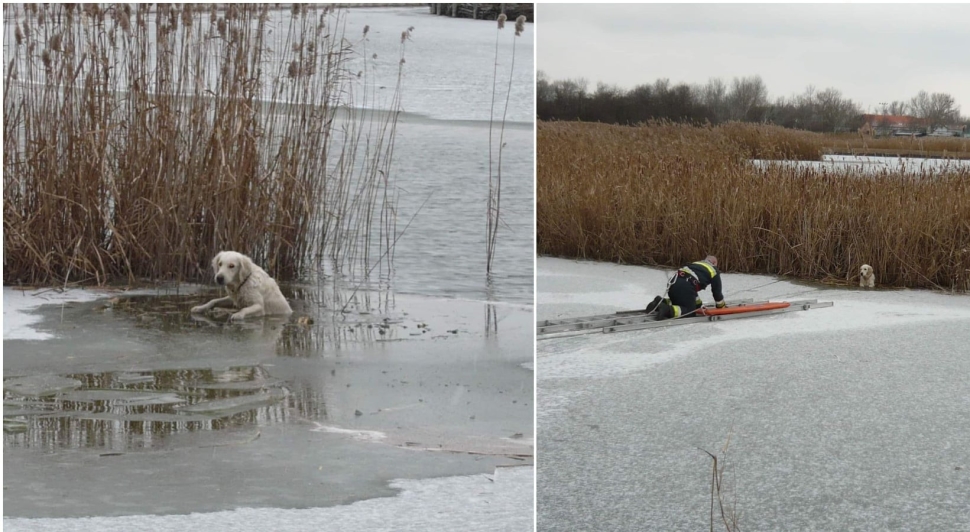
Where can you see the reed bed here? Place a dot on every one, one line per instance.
(666, 194)
(140, 140)
(762, 141)
(936, 147)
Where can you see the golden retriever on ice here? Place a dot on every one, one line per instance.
(250, 288)
(867, 279)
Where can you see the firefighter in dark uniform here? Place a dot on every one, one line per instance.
(682, 298)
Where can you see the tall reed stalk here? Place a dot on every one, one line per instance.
(495, 176)
(723, 500)
(140, 140)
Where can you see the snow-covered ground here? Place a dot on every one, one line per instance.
(854, 417)
(502, 501)
(17, 304)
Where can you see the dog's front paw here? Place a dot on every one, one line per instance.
(198, 309)
(238, 316)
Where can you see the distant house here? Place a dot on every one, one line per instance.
(892, 125)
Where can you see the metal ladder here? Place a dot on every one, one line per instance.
(623, 317)
(636, 320)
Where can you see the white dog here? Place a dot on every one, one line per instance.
(250, 288)
(867, 279)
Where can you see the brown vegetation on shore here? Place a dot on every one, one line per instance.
(666, 194)
(935, 147)
(139, 141)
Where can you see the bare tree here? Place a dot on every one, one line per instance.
(943, 109)
(544, 92)
(744, 99)
(606, 103)
(896, 108)
(834, 112)
(920, 104)
(715, 99)
(936, 109)
(747, 94)
(570, 88)
(606, 89)
(807, 105)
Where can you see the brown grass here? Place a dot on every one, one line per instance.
(936, 147)
(758, 141)
(666, 194)
(135, 150)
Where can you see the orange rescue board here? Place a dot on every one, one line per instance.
(742, 309)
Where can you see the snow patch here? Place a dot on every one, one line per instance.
(504, 500)
(18, 304)
(363, 435)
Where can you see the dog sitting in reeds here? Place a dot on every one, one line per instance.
(867, 279)
(249, 288)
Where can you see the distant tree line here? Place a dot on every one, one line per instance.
(744, 99)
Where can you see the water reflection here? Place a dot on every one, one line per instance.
(325, 320)
(130, 411)
(200, 380)
(491, 320)
(125, 411)
(491, 315)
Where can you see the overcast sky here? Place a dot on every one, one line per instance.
(872, 53)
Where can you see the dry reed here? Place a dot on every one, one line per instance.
(723, 498)
(937, 147)
(139, 140)
(494, 204)
(666, 194)
(761, 141)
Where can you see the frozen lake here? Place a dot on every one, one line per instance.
(845, 418)
(130, 407)
(872, 165)
(441, 152)
(126, 413)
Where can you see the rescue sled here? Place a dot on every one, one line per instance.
(633, 320)
(742, 309)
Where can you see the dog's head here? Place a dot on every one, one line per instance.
(231, 268)
(865, 271)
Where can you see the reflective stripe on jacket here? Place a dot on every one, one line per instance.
(706, 275)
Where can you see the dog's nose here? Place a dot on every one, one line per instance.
(220, 279)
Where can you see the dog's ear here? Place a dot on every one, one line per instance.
(215, 261)
(245, 266)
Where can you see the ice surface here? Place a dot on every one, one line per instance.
(850, 417)
(874, 164)
(18, 303)
(502, 501)
(365, 435)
